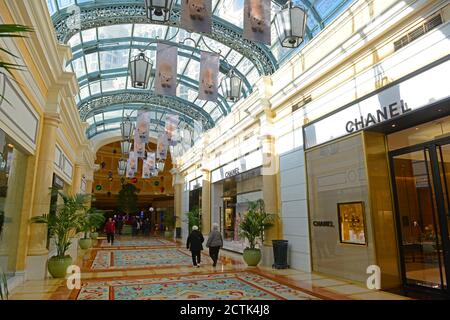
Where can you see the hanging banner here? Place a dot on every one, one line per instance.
(257, 18)
(196, 15)
(166, 70)
(142, 127)
(151, 160)
(139, 149)
(163, 144)
(209, 72)
(132, 162)
(146, 171)
(171, 125)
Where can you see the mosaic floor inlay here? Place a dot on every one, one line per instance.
(128, 259)
(138, 243)
(222, 286)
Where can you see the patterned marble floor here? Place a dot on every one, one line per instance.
(149, 242)
(128, 259)
(222, 286)
(140, 268)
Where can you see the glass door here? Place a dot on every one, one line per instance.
(422, 200)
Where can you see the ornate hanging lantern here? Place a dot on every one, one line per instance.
(231, 87)
(125, 145)
(290, 24)
(158, 10)
(140, 71)
(122, 165)
(127, 128)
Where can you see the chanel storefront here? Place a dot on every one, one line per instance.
(377, 172)
(234, 185)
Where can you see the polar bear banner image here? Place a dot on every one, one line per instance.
(209, 72)
(166, 70)
(257, 21)
(142, 127)
(196, 15)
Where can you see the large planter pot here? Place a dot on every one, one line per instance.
(57, 266)
(94, 235)
(85, 243)
(252, 257)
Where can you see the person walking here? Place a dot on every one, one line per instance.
(195, 244)
(110, 230)
(214, 243)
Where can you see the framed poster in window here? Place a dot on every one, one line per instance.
(352, 225)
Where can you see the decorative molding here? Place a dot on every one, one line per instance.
(93, 16)
(189, 109)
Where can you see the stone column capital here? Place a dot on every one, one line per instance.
(52, 119)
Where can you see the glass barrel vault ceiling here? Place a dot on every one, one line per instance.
(101, 55)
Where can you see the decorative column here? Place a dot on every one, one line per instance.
(89, 178)
(76, 180)
(37, 241)
(178, 181)
(206, 201)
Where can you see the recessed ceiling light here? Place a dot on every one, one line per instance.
(10, 145)
(439, 110)
(394, 125)
(417, 128)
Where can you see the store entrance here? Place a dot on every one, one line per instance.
(421, 185)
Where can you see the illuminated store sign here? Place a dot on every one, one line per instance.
(234, 168)
(392, 102)
(389, 112)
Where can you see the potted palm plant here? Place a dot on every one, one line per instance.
(92, 220)
(252, 228)
(169, 222)
(61, 226)
(193, 218)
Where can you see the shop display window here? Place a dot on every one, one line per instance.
(13, 165)
(351, 223)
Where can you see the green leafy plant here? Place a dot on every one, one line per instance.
(169, 220)
(68, 218)
(255, 222)
(127, 199)
(11, 31)
(4, 292)
(193, 218)
(91, 221)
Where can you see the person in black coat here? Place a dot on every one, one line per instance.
(194, 243)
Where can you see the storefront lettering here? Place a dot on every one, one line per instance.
(323, 224)
(389, 112)
(232, 173)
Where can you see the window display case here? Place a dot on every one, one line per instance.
(352, 228)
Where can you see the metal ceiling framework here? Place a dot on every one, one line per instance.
(96, 14)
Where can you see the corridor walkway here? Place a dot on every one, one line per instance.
(154, 268)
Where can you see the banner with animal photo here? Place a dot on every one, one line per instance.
(161, 149)
(171, 125)
(142, 127)
(209, 73)
(139, 149)
(257, 19)
(196, 15)
(146, 170)
(131, 166)
(166, 70)
(151, 160)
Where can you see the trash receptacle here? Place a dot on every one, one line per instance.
(280, 251)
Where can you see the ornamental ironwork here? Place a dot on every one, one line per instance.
(99, 16)
(189, 109)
